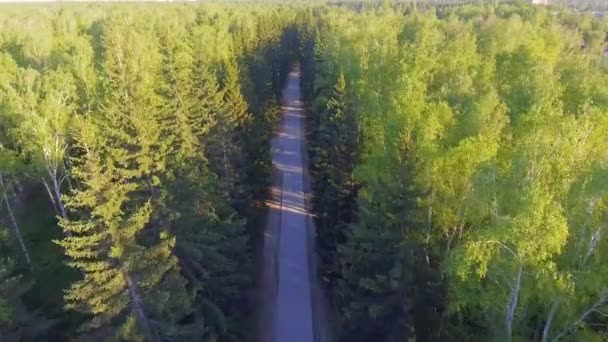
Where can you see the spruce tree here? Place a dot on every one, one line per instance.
(128, 282)
(385, 277)
(210, 244)
(210, 237)
(335, 156)
(227, 138)
(121, 239)
(181, 115)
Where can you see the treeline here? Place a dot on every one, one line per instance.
(460, 171)
(584, 5)
(134, 153)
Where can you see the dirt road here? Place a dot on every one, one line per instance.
(293, 306)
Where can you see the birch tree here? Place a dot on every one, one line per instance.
(47, 106)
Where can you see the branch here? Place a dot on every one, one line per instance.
(595, 239)
(568, 330)
(505, 247)
(65, 176)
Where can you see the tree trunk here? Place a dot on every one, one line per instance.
(593, 243)
(510, 314)
(547, 327)
(57, 193)
(226, 165)
(51, 196)
(55, 196)
(225, 161)
(16, 229)
(138, 310)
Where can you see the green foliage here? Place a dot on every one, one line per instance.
(17, 322)
(334, 154)
(479, 140)
(458, 159)
(150, 132)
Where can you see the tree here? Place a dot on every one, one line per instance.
(494, 107)
(334, 157)
(10, 161)
(226, 140)
(167, 96)
(378, 270)
(209, 235)
(46, 109)
(121, 239)
(127, 283)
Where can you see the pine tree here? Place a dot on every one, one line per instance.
(210, 244)
(121, 239)
(227, 138)
(236, 108)
(380, 258)
(181, 115)
(207, 100)
(335, 155)
(126, 283)
(309, 43)
(210, 238)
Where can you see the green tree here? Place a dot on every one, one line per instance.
(121, 239)
(210, 237)
(377, 269)
(335, 153)
(126, 283)
(8, 166)
(46, 108)
(226, 140)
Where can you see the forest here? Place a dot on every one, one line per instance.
(133, 157)
(460, 167)
(458, 157)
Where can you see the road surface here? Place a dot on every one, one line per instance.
(292, 295)
(293, 316)
(293, 303)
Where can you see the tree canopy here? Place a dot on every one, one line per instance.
(137, 124)
(458, 160)
(474, 194)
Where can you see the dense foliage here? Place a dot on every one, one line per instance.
(134, 148)
(460, 170)
(458, 156)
